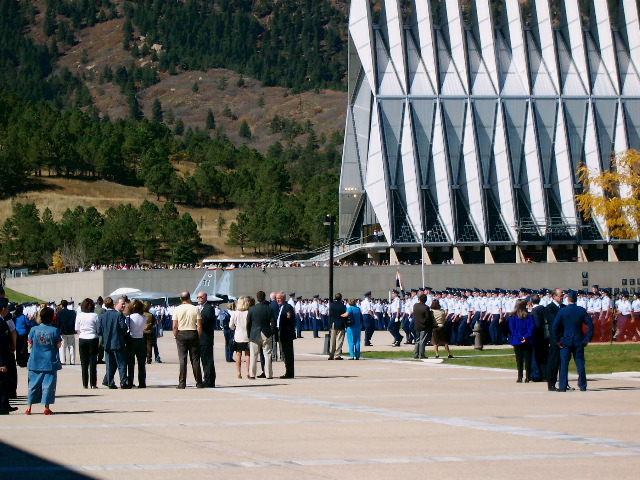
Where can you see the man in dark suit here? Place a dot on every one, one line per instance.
(540, 338)
(112, 327)
(337, 314)
(286, 324)
(423, 323)
(553, 362)
(66, 324)
(261, 325)
(567, 328)
(208, 322)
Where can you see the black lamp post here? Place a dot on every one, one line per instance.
(330, 220)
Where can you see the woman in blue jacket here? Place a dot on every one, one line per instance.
(44, 362)
(521, 337)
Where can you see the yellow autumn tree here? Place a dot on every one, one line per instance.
(614, 195)
(57, 264)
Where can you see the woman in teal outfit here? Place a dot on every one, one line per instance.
(354, 329)
(44, 362)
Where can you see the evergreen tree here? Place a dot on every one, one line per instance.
(195, 88)
(157, 114)
(245, 130)
(178, 129)
(211, 121)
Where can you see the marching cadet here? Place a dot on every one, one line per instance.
(297, 308)
(395, 313)
(368, 318)
(314, 315)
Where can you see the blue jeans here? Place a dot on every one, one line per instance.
(115, 359)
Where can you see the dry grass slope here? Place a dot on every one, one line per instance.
(60, 193)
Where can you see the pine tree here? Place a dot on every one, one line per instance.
(244, 131)
(157, 114)
(211, 121)
(195, 88)
(178, 129)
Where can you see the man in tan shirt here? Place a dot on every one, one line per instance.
(186, 331)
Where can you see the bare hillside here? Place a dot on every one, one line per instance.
(101, 46)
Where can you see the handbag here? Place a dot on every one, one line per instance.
(350, 321)
(232, 344)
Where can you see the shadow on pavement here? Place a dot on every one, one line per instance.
(20, 464)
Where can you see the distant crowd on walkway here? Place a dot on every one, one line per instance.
(123, 334)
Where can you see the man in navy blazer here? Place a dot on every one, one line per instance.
(567, 329)
(112, 327)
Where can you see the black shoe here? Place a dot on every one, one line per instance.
(180, 387)
(113, 387)
(570, 388)
(262, 375)
(286, 376)
(199, 385)
(368, 345)
(519, 380)
(450, 356)
(126, 387)
(552, 389)
(142, 386)
(12, 409)
(558, 390)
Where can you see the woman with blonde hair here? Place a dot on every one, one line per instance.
(238, 324)
(521, 326)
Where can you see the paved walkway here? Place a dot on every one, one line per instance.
(377, 419)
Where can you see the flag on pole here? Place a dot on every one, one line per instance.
(399, 283)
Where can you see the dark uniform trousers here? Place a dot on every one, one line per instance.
(188, 344)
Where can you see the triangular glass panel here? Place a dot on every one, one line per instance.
(606, 111)
(454, 121)
(391, 112)
(388, 80)
(423, 116)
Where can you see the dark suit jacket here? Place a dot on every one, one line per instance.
(287, 325)
(335, 310)
(112, 327)
(260, 319)
(208, 321)
(5, 343)
(567, 326)
(66, 322)
(422, 319)
(551, 311)
(539, 324)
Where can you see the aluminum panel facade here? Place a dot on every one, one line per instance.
(478, 115)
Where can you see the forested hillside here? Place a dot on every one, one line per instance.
(55, 121)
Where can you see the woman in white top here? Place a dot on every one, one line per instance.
(87, 329)
(136, 345)
(238, 324)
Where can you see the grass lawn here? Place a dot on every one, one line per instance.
(599, 358)
(14, 296)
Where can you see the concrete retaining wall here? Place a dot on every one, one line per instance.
(350, 281)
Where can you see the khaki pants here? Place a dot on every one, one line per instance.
(337, 339)
(68, 345)
(266, 344)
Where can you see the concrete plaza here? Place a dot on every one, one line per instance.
(341, 419)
